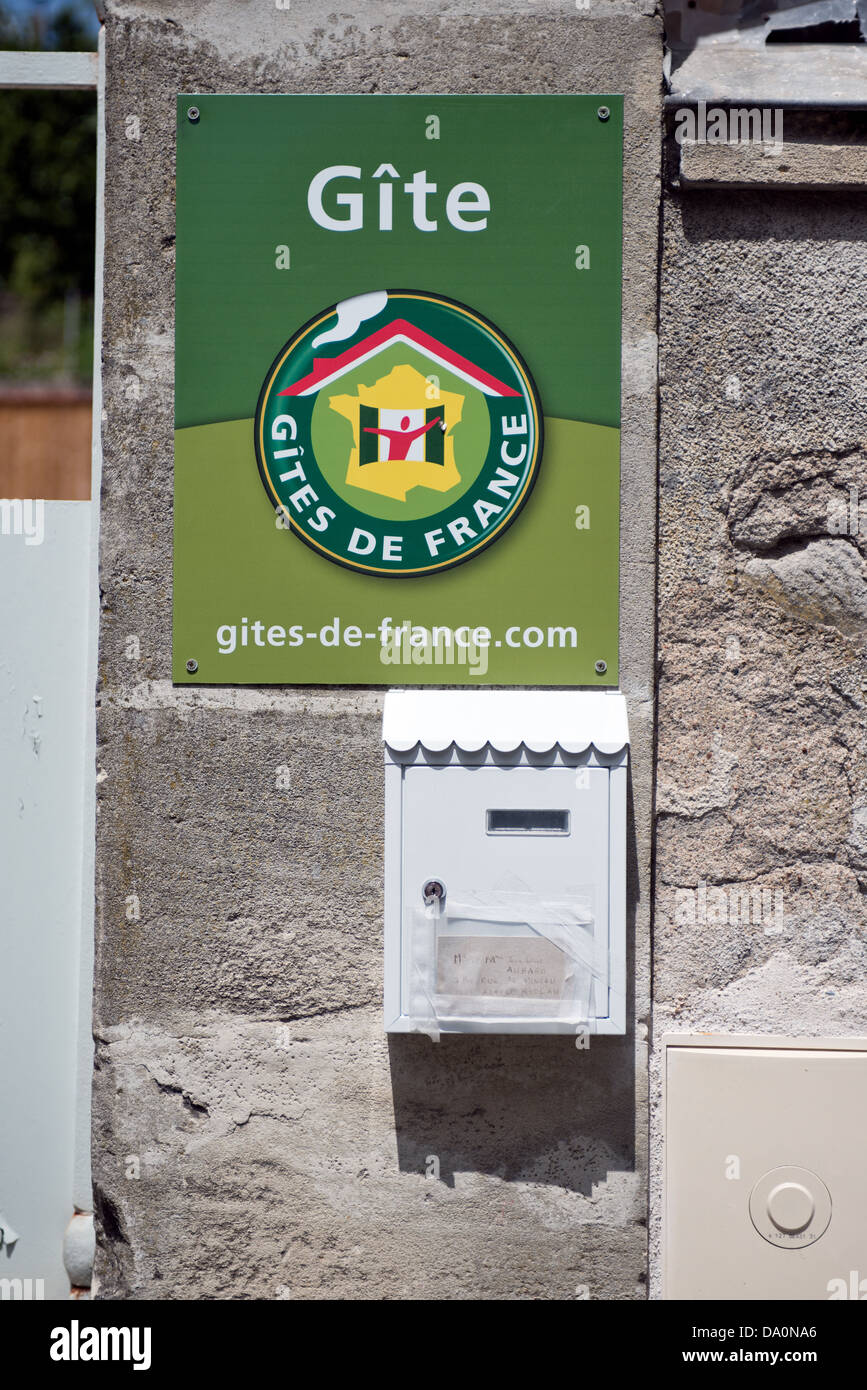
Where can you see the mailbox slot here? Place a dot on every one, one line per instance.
(528, 822)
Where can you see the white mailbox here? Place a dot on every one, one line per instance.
(505, 861)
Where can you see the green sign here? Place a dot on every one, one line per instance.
(397, 390)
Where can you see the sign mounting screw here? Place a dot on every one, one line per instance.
(601, 668)
(601, 111)
(192, 665)
(192, 114)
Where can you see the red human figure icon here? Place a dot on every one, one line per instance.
(400, 440)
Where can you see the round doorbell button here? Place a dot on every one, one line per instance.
(790, 1207)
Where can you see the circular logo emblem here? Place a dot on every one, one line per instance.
(398, 433)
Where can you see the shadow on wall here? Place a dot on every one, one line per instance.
(524, 1109)
(769, 216)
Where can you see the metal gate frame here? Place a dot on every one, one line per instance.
(48, 658)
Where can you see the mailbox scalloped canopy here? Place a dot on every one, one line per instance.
(540, 720)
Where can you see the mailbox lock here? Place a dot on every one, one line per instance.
(433, 891)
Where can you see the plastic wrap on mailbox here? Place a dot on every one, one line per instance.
(507, 955)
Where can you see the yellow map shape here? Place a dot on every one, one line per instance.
(403, 388)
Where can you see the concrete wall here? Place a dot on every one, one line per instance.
(255, 1134)
(763, 602)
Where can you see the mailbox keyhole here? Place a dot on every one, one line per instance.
(434, 891)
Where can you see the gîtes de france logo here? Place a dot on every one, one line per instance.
(410, 449)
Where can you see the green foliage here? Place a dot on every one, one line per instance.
(47, 200)
(47, 193)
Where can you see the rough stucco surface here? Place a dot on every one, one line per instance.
(255, 1134)
(762, 617)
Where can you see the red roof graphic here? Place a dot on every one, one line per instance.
(327, 369)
